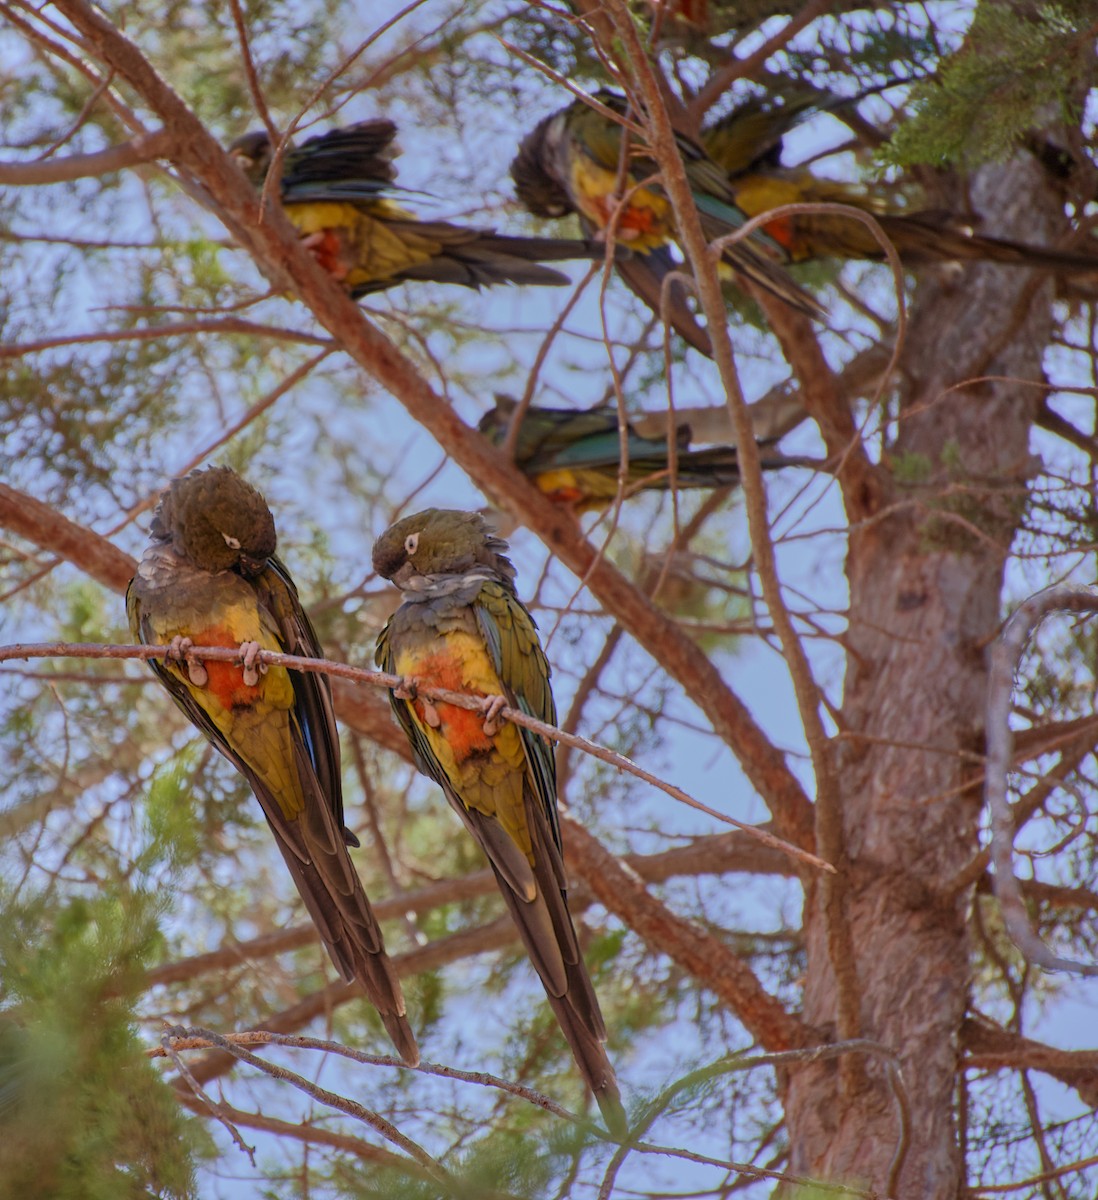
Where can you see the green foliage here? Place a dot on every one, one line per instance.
(911, 468)
(83, 1113)
(1016, 68)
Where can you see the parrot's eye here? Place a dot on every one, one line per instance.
(411, 543)
(231, 542)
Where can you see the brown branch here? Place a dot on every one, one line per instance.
(47, 528)
(275, 246)
(343, 1104)
(745, 68)
(465, 700)
(717, 854)
(433, 957)
(230, 325)
(989, 1048)
(1077, 745)
(314, 1135)
(705, 958)
(1005, 656)
(199, 1039)
(142, 149)
(703, 262)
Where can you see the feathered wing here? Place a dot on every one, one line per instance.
(313, 841)
(512, 641)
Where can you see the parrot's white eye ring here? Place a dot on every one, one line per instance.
(231, 542)
(411, 543)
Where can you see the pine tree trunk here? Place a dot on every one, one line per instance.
(925, 584)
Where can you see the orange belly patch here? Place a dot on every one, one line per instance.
(327, 248)
(462, 729)
(635, 220)
(782, 231)
(226, 679)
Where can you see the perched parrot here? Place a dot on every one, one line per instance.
(747, 144)
(462, 627)
(569, 163)
(573, 455)
(210, 577)
(337, 188)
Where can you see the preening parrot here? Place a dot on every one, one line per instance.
(337, 188)
(461, 626)
(210, 577)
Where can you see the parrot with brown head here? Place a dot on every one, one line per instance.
(210, 577)
(570, 163)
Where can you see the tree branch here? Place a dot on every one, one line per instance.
(1005, 656)
(988, 1048)
(142, 149)
(703, 262)
(47, 528)
(717, 854)
(465, 700)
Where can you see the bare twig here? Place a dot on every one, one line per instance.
(332, 1099)
(142, 149)
(1005, 656)
(703, 261)
(220, 325)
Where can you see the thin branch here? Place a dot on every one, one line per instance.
(706, 958)
(465, 700)
(200, 1039)
(716, 854)
(1005, 657)
(805, 1057)
(312, 1134)
(142, 149)
(990, 1048)
(332, 1099)
(230, 325)
(745, 68)
(703, 261)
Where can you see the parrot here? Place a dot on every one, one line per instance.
(747, 145)
(573, 455)
(461, 626)
(210, 576)
(337, 190)
(569, 163)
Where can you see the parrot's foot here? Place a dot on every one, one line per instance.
(493, 706)
(181, 649)
(323, 245)
(252, 670)
(408, 689)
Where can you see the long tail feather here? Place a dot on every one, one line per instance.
(545, 927)
(317, 857)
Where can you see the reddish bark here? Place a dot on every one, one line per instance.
(925, 584)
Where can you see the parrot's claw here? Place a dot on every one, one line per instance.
(408, 689)
(252, 670)
(493, 706)
(182, 651)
